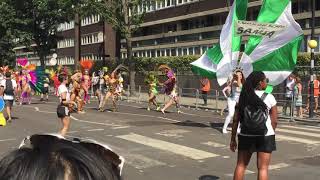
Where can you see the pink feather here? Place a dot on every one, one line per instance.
(33, 77)
(22, 61)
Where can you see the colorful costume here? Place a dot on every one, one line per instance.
(30, 79)
(86, 80)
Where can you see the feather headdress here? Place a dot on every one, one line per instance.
(164, 67)
(86, 64)
(22, 62)
(4, 69)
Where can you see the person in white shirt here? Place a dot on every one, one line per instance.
(63, 107)
(253, 99)
(236, 85)
(8, 89)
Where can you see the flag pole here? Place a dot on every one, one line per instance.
(312, 44)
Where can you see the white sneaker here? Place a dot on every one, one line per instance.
(224, 131)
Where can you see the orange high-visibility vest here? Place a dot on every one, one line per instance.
(206, 86)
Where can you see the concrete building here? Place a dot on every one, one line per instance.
(189, 27)
(170, 28)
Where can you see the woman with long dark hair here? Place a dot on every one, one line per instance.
(253, 97)
(236, 85)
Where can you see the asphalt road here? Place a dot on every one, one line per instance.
(187, 146)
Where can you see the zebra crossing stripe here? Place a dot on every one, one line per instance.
(317, 135)
(296, 139)
(301, 128)
(170, 147)
(141, 162)
(278, 166)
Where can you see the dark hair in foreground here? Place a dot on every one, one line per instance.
(248, 97)
(61, 160)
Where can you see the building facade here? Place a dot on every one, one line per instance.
(98, 41)
(190, 27)
(170, 28)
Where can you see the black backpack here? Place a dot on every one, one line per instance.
(9, 88)
(253, 120)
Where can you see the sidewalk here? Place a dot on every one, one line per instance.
(215, 104)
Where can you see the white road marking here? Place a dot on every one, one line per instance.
(71, 132)
(93, 122)
(298, 132)
(144, 115)
(176, 133)
(4, 140)
(168, 119)
(271, 167)
(296, 139)
(246, 172)
(121, 127)
(167, 146)
(301, 128)
(278, 166)
(91, 130)
(141, 162)
(214, 144)
(48, 112)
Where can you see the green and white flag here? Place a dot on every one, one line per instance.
(275, 56)
(220, 60)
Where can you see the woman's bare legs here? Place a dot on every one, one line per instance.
(263, 160)
(242, 163)
(169, 103)
(66, 123)
(104, 101)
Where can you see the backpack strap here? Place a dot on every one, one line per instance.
(264, 95)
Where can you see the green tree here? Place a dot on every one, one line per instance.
(10, 30)
(125, 16)
(41, 18)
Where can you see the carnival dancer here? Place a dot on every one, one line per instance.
(25, 88)
(76, 95)
(227, 93)
(45, 90)
(152, 82)
(85, 79)
(236, 85)
(100, 89)
(119, 89)
(170, 88)
(112, 82)
(64, 105)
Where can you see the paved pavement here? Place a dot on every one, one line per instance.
(187, 146)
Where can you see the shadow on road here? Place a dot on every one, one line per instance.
(216, 126)
(208, 177)
(191, 123)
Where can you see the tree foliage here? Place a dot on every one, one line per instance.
(10, 30)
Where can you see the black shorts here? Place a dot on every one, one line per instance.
(45, 90)
(62, 111)
(9, 103)
(257, 143)
(95, 88)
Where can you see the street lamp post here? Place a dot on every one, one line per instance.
(312, 44)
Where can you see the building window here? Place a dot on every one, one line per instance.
(173, 52)
(65, 43)
(90, 20)
(92, 38)
(65, 26)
